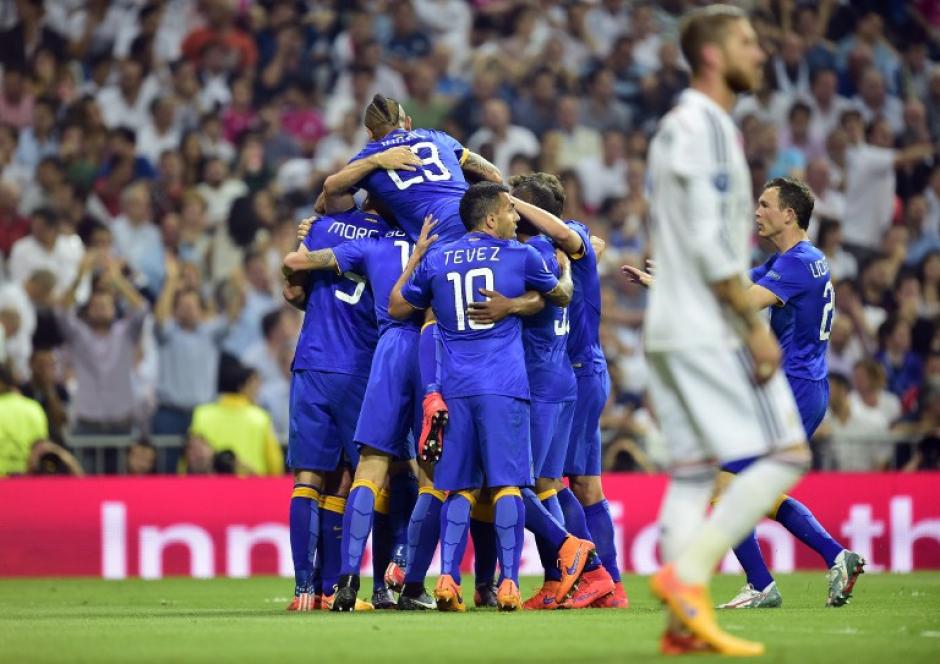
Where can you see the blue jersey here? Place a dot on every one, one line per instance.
(584, 312)
(339, 330)
(800, 279)
(478, 358)
(381, 260)
(435, 188)
(545, 338)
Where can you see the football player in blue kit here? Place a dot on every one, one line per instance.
(329, 375)
(794, 283)
(483, 376)
(432, 183)
(586, 511)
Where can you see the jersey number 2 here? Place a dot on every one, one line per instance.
(825, 325)
(463, 295)
(439, 173)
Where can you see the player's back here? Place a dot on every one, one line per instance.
(479, 358)
(339, 331)
(802, 324)
(701, 207)
(435, 188)
(584, 310)
(545, 340)
(382, 260)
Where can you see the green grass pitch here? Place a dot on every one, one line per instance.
(891, 619)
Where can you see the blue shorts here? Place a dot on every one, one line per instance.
(584, 446)
(324, 408)
(486, 442)
(551, 429)
(812, 400)
(391, 415)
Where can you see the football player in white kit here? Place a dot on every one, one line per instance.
(714, 361)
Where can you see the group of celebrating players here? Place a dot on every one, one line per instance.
(450, 359)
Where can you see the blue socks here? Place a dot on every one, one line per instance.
(749, 555)
(304, 532)
(575, 521)
(509, 519)
(403, 489)
(541, 522)
(424, 530)
(601, 526)
(455, 525)
(548, 556)
(427, 358)
(331, 541)
(795, 517)
(357, 524)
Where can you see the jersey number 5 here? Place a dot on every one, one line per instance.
(463, 294)
(356, 295)
(825, 325)
(439, 173)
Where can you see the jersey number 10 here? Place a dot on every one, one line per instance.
(463, 294)
(434, 159)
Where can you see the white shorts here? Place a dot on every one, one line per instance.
(711, 410)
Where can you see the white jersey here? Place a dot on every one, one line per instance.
(702, 219)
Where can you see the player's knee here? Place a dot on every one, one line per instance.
(546, 484)
(587, 489)
(311, 478)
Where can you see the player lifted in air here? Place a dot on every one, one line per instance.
(432, 183)
(483, 376)
(713, 360)
(795, 284)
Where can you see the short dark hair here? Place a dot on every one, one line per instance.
(479, 201)
(269, 322)
(47, 215)
(233, 375)
(795, 195)
(706, 25)
(551, 183)
(532, 191)
(839, 379)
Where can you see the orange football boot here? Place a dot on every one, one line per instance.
(615, 600)
(679, 643)
(431, 441)
(594, 585)
(448, 596)
(304, 602)
(394, 577)
(692, 605)
(572, 557)
(508, 597)
(326, 604)
(543, 599)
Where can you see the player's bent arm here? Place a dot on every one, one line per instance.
(304, 259)
(476, 165)
(565, 238)
(760, 341)
(761, 297)
(497, 306)
(561, 294)
(600, 246)
(398, 158)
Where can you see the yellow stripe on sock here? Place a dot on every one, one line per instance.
(383, 502)
(780, 501)
(507, 491)
(305, 492)
(334, 504)
(469, 496)
(548, 493)
(437, 493)
(370, 485)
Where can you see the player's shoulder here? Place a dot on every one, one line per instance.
(693, 117)
(541, 243)
(803, 254)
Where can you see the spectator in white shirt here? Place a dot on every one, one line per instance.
(873, 101)
(262, 356)
(274, 394)
(507, 140)
(602, 110)
(826, 103)
(845, 349)
(39, 139)
(137, 239)
(791, 73)
(859, 438)
(128, 103)
(160, 133)
(576, 141)
(829, 203)
(870, 394)
(842, 264)
(46, 248)
(604, 177)
(218, 190)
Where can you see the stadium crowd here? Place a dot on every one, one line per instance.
(156, 158)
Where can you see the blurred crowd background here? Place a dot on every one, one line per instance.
(156, 156)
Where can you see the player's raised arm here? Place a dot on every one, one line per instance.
(399, 307)
(546, 222)
(303, 259)
(474, 164)
(396, 159)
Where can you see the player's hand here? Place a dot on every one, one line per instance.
(490, 311)
(398, 159)
(637, 276)
(425, 239)
(303, 229)
(293, 294)
(765, 353)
